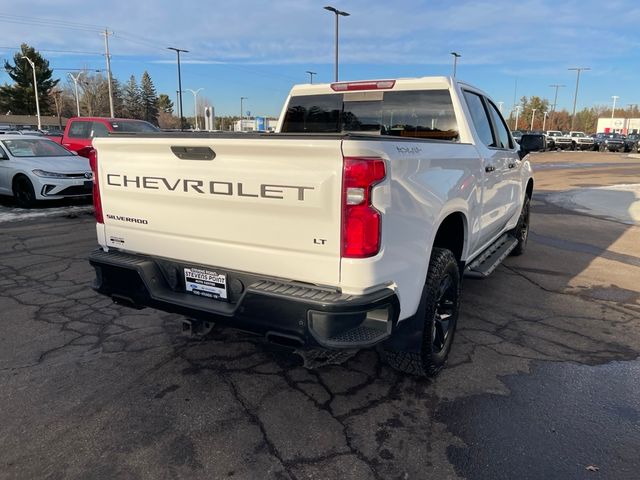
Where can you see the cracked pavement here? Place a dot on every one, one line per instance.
(542, 381)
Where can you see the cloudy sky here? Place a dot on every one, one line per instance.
(259, 48)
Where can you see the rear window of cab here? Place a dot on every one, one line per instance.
(413, 113)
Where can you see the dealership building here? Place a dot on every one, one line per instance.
(619, 125)
(257, 124)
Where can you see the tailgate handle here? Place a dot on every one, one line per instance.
(193, 153)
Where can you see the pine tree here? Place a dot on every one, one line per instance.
(132, 100)
(19, 98)
(165, 104)
(117, 89)
(149, 99)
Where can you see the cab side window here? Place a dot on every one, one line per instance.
(80, 129)
(99, 130)
(504, 139)
(480, 118)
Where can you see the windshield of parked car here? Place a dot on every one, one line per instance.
(555, 134)
(35, 147)
(134, 126)
(578, 134)
(420, 113)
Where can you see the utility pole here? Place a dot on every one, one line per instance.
(575, 96)
(500, 106)
(195, 103)
(544, 121)
(311, 74)
(76, 79)
(242, 99)
(456, 56)
(338, 14)
(178, 50)
(613, 110)
(35, 89)
(555, 97)
(108, 57)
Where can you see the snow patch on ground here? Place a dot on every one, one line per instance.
(618, 202)
(11, 214)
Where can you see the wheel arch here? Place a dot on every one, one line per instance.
(15, 178)
(452, 234)
(529, 188)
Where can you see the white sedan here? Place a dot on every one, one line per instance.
(35, 168)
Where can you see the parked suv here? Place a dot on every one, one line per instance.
(612, 142)
(631, 142)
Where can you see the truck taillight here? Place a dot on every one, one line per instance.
(97, 202)
(360, 221)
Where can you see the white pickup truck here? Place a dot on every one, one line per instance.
(349, 227)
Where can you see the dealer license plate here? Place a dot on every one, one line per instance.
(206, 283)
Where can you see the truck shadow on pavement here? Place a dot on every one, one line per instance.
(127, 397)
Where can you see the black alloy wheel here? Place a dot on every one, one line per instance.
(437, 315)
(23, 192)
(443, 318)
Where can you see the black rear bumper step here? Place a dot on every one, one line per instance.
(312, 315)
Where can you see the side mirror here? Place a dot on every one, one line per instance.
(532, 143)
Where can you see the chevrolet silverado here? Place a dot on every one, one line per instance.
(352, 226)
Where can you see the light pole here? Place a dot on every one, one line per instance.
(242, 99)
(533, 118)
(456, 56)
(35, 89)
(338, 14)
(195, 103)
(544, 121)
(613, 110)
(311, 74)
(76, 79)
(500, 106)
(517, 109)
(575, 96)
(178, 50)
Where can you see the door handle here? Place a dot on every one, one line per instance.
(489, 168)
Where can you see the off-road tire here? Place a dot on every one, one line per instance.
(23, 192)
(428, 363)
(521, 232)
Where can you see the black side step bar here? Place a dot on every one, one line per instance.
(493, 256)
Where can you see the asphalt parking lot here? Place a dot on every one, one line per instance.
(543, 381)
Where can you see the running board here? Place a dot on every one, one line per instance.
(493, 256)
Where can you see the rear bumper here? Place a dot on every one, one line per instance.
(285, 312)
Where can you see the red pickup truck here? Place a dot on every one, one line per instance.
(80, 131)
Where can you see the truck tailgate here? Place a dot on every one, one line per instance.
(262, 205)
